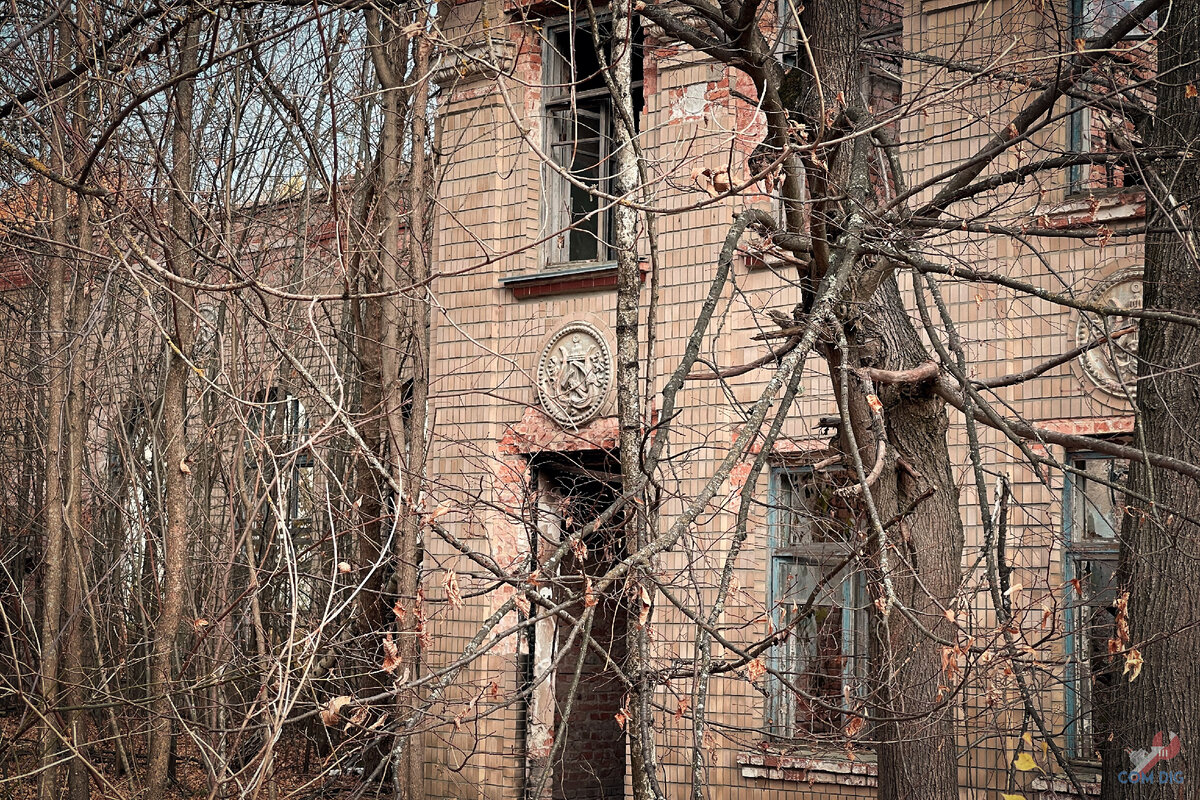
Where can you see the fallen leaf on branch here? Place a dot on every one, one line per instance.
(1025, 763)
(391, 655)
(331, 713)
(453, 593)
(1133, 664)
(682, 708)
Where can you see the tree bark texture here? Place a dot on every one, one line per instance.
(181, 301)
(1160, 550)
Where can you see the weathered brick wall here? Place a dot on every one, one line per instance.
(487, 340)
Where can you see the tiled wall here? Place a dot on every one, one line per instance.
(487, 342)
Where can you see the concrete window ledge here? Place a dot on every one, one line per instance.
(808, 769)
(1052, 787)
(1091, 209)
(567, 280)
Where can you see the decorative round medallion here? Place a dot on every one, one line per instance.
(1113, 365)
(574, 374)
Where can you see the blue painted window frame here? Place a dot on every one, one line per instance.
(1078, 549)
(853, 623)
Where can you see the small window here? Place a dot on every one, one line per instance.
(822, 660)
(1094, 18)
(1093, 130)
(1092, 519)
(278, 428)
(1095, 498)
(580, 130)
(1111, 127)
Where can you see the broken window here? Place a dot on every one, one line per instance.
(280, 477)
(278, 427)
(580, 121)
(1094, 18)
(1121, 99)
(817, 597)
(1092, 522)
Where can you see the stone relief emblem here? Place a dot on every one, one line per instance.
(1113, 366)
(574, 374)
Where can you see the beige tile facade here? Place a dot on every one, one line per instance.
(486, 343)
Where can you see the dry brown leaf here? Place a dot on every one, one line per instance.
(344, 567)
(453, 593)
(682, 708)
(644, 611)
(756, 669)
(391, 655)
(622, 716)
(854, 727)
(358, 717)
(1133, 664)
(720, 180)
(331, 713)
(442, 510)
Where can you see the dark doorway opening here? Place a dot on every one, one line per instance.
(591, 760)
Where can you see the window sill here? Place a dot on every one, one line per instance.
(1061, 787)
(808, 768)
(1086, 209)
(565, 280)
(936, 6)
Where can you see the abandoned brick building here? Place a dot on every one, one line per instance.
(523, 413)
(535, 290)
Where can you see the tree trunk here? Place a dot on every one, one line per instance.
(918, 557)
(78, 550)
(54, 555)
(181, 301)
(1160, 550)
(409, 767)
(640, 722)
(918, 759)
(917, 560)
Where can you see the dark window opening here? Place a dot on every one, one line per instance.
(1093, 506)
(580, 129)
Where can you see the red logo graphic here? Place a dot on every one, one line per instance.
(1145, 760)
